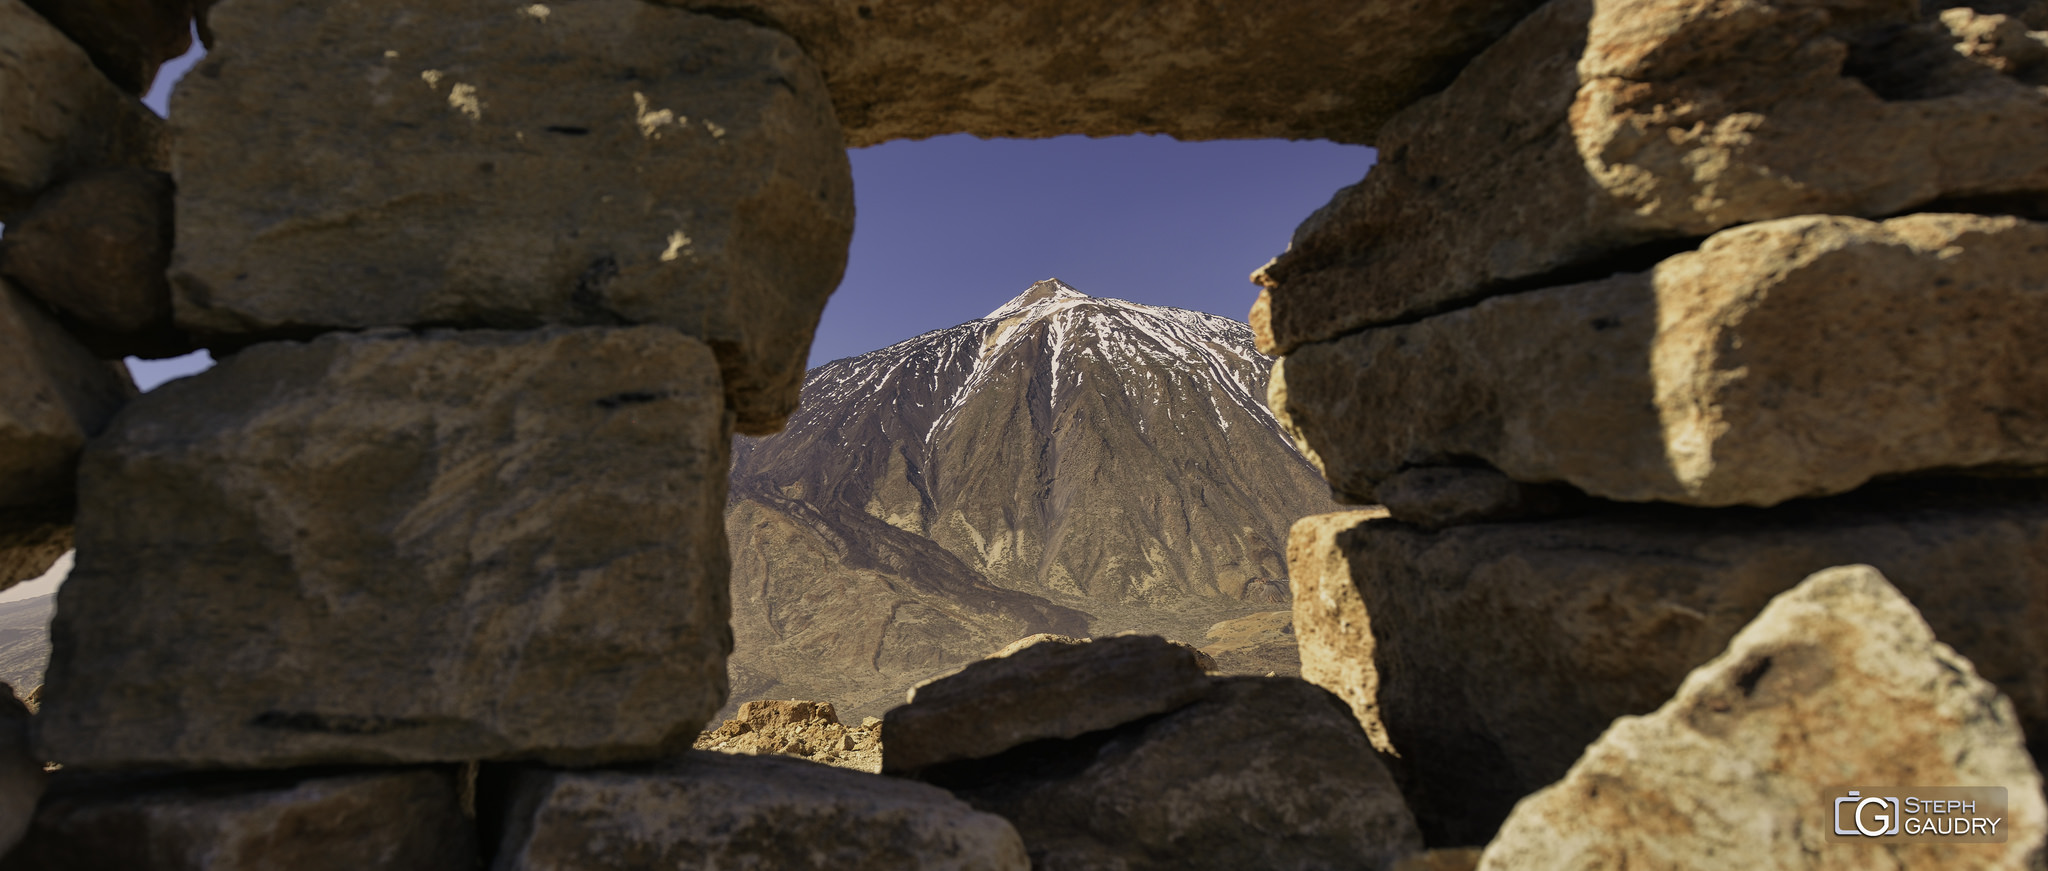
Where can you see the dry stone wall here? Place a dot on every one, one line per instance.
(1650, 310)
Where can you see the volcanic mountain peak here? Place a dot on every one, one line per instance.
(1051, 290)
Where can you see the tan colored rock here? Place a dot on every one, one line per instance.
(126, 39)
(801, 729)
(1489, 656)
(394, 547)
(595, 162)
(399, 820)
(1261, 644)
(95, 249)
(1760, 368)
(1052, 687)
(909, 69)
(1260, 773)
(60, 116)
(53, 396)
(1446, 859)
(712, 811)
(1837, 684)
(1600, 135)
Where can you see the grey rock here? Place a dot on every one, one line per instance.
(397, 820)
(714, 811)
(1438, 496)
(1052, 688)
(596, 162)
(390, 547)
(1837, 684)
(1260, 773)
(21, 774)
(59, 116)
(1757, 369)
(1489, 656)
(53, 396)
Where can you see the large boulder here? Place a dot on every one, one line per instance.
(59, 116)
(396, 820)
(1838, 684)
(94, 249)
(1053, 687)
(594, 162)
(1489, 656)
(1310, 69)
(395, 547)
(126, 39)
(1259, 773)
(22, 779)
(1603, 134)
(54, 394)
(710, 811)
(803, 729)
(1790, 358)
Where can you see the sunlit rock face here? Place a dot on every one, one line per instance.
(1067, 464)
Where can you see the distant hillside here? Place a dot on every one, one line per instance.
(25, 642)
(1067, 464)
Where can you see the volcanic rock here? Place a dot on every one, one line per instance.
(940, 498)
(396, 547)
(1489, 656)
(1260, 773)
(1438, 496)
(805, 730)
(1838, 683)
(126, 39)
(95, 249)
(1054, 688)
(53, 396)
(1262, 643)
(397, 820)
(1785, 359)
(59, 116)
(1599, 136)
(1036, 68)
(712, 811)
(21, 774)
(599, 162)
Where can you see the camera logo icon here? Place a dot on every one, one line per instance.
(1869, 816)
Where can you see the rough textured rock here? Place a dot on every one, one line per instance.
(53, 396)
(1438, 496)
(666, 168)
(126, 39)
(806, 730)
(1260, 773)
(712, 811)
(95, 249)
(396, 547)
(1791, 358)
(1308, 69)
(1446, 859)
(1600, 133)
(1489, 656)
(398, 820)
(21, 774)
(29, 546)
(1053, 688)
(937, 499)
(60, 116)
(1258, 644)
(1838, 682)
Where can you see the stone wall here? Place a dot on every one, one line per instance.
(1650, 310)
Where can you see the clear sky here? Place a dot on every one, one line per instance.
(949, 228)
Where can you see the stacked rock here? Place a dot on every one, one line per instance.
(492, 286)
(1656, 310)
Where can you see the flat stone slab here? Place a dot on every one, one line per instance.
(1054, 687)
(1259, 773)
(395, 547)
(398, 820)
(1597, 135)
(59, 115)
(54, 394)
(1218, 70)
(713, 811)
(600, 162)
(1785, 359)
(1838, 684)
(1489, 656)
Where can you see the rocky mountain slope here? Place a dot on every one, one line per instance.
(1067, 464)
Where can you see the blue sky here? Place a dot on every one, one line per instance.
(947, 229)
